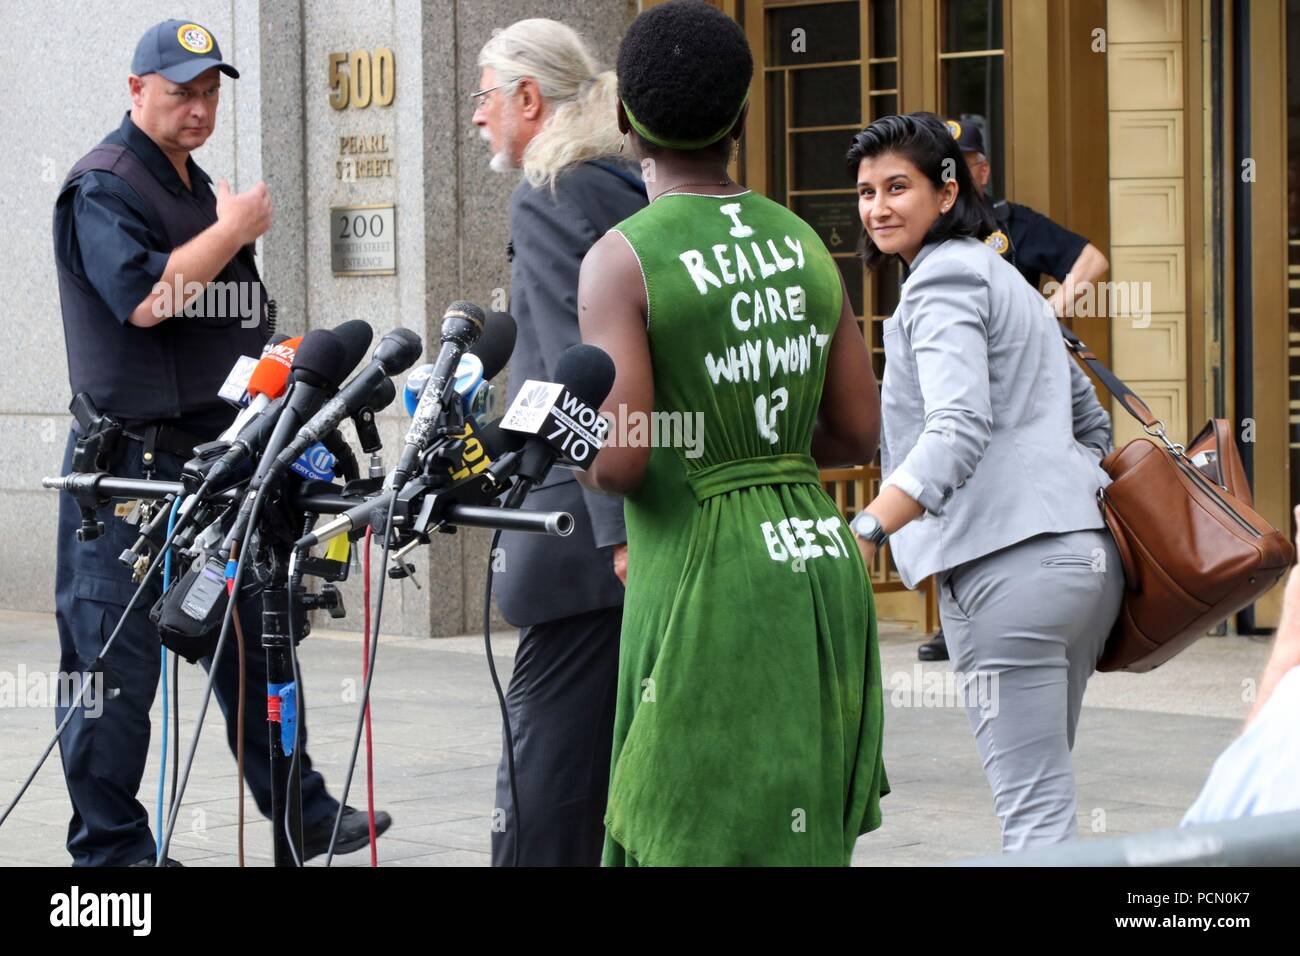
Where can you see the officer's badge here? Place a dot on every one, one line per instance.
(999, 241)
(953, 127)
(194, 38)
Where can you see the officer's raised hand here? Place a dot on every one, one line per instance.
(241, 219)
(247, 215)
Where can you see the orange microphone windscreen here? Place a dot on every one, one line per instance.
(271, 375)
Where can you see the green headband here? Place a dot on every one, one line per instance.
(666, 143)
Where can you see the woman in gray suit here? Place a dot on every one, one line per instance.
(992, 438)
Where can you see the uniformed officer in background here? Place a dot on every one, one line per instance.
(134, 223)
(1032, 243)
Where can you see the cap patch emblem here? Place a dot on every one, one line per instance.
(194, 38)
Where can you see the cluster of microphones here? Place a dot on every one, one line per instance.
(270, 477)
(248, 507)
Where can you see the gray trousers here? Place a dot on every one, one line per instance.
(1025, 626)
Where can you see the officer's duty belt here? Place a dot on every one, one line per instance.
(157, 436)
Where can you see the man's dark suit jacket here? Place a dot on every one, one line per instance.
(542, 578)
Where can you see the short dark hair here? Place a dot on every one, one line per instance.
(683, 70)
(924, 140)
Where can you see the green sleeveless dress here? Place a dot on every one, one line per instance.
(749, 717)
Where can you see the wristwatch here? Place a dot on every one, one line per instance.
(867, 526)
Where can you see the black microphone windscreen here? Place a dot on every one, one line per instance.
(587, 372)
(356, 337)
(497, 344)
(399, 350)
(382, 396)
(498, 441)
(321, 360)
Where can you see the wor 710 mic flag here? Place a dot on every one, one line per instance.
(559, 414)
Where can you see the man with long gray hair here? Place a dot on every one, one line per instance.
(547, 110)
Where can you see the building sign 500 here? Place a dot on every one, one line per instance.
(357, 79)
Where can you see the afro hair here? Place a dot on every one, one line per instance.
(683, 70)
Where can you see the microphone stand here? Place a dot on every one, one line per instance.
(285, 603)
(284, 624)
(283, 707)
(428, 504)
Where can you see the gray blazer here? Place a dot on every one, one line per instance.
(541, 578)
(988, 421)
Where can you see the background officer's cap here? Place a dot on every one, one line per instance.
(966, 131)
(180, 50)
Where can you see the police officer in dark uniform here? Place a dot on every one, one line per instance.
(1032, 243)
(137, 232)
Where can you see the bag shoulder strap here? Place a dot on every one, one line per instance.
(1121, 392)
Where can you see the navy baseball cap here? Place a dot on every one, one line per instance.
(967, 133)
(180, 50)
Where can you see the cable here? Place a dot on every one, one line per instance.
(370, 673)
(176, 722)
(162, 649)
(295, 763)
(370, 752)
(366, 658)
(239, 726)
(370, 676)
(501, 697)
(227, 618)
(154, 566)
(166, 713)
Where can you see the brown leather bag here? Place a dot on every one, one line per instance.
(1194, 550)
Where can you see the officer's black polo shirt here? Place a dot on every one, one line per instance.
(1042, 247)
(104, 236)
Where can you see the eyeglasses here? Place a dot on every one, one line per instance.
(480, 98)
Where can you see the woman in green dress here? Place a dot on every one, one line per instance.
(749, 715)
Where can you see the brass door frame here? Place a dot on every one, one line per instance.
(1028, 43)
(1078, 178)
(1203, 353)
(1268, 278)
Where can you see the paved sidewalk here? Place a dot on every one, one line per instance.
(437, 739)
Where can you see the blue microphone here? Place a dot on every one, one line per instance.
(468, 383)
